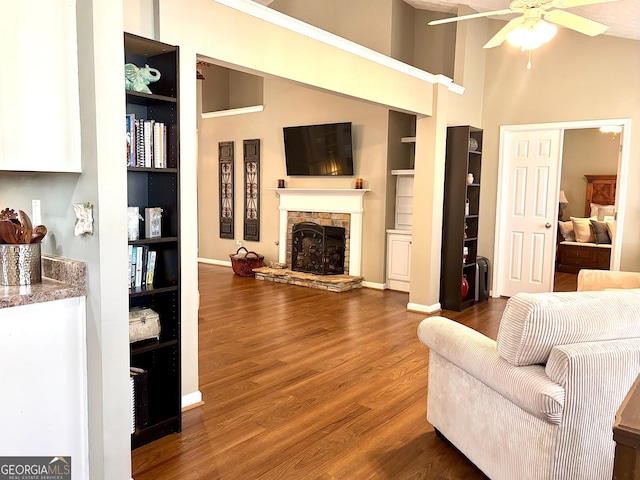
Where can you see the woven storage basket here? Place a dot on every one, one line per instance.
(244, 263)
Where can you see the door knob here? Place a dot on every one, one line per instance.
(547, 225)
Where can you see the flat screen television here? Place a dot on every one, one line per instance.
(319, 149)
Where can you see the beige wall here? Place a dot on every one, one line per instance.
(469, 71)
(366, 22)
(434, 49)
(224, 88)
(402, 32)
(287, 104)
(586, 151)
(574, 77)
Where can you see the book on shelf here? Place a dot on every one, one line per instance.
(141, 280)
(140, 397)
(151, 267)
(139, 160)
(132, 266)
(142, 266)
(131, 262)
(131, 139)
(146, 142)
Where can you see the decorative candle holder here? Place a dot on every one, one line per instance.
(281, 183)
(358, 183)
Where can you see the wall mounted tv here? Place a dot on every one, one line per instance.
(319, 149)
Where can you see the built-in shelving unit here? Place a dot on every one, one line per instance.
(399, 238)
(158, 187)
(460, 217)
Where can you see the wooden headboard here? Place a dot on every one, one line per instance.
(601, 189)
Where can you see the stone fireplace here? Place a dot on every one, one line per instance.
(342, 220)
(331, 207)
(317, 249)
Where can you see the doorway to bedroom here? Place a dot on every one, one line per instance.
(527, 259)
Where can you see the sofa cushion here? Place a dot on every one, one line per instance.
(533, 323)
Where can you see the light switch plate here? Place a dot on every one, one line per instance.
(36, 215)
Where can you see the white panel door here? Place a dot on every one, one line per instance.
(399, 261)
(529, 212)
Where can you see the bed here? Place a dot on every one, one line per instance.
(574, 254)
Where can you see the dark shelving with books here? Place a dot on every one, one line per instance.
(153, 170)
(460, 217)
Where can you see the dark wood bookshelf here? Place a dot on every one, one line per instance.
(152, 169)
(148, 188)
(142, 347)
(148, 241)
(460, 161)
(141, 98)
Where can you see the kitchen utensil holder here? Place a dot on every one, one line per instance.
(20, 264)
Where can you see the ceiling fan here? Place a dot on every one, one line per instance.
(530, 30)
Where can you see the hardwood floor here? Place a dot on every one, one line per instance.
(306, 384)
(565, 282)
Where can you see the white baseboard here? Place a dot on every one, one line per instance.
(374, 285)
(191, 399)
(417, 307)
(222, 263)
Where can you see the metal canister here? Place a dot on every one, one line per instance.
(20, 264)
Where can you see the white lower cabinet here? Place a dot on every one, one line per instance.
(398, 260)
(43, 373)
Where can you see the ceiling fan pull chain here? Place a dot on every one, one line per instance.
(529, 62)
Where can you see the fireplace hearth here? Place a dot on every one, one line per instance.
(317, 249)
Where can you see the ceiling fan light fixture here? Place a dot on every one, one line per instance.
(611, 129)
(531, 35)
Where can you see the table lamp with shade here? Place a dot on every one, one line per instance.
(562, 204)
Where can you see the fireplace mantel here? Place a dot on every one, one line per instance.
(330, 200)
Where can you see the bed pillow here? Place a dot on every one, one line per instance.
(611, 227)
(601, 211)
(601, 232)
(566, 230)
(582, 229)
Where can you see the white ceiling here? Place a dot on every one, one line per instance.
(622, 16)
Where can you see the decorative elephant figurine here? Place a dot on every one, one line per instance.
(137, 78)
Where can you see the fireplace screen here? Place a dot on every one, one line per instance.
(317, 249)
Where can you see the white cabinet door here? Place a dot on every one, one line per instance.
(43, 373)
(398, 261)
(39, 98)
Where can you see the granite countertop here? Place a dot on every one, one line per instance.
(61, 278)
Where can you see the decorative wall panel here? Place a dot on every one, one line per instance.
(225, 158)
(252, 190)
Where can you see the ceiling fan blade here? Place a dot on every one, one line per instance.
(500, 37)
(575, 22)
(470, 16)
(577, 3)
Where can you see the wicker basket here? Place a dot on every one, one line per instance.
(244, 263)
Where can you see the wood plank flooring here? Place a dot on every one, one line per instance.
(565, 282)
(301, 383)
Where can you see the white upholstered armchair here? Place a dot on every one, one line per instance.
(540, 402)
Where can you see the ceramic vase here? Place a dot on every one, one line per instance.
(465, 287)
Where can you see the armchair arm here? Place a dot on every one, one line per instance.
(596, 376)
(528, 387)
(602, 279)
